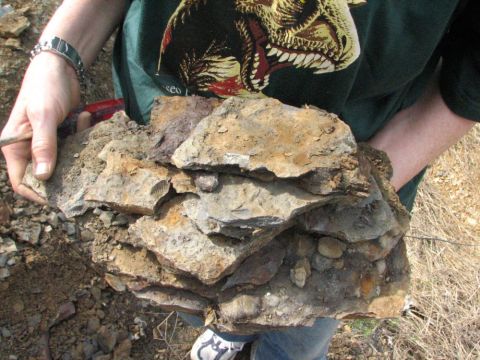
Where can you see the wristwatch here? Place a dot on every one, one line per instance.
(64, 49)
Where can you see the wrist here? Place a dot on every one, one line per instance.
(63, 49)
(51, 61)
(49, 68)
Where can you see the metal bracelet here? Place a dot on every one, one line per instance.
(64, 49)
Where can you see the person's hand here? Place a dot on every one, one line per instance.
(50, 89)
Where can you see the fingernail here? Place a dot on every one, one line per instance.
(42, 169)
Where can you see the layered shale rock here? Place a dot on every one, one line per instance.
(249, 213)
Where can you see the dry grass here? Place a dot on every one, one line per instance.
(445, 277)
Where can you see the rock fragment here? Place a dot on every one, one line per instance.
(13, 24)
(241, 307)
(321, 263)
(252, 233)
(122, 351)
(369, 219)
(73, 176)
(4, 273)
(207, 182)
(300, 272)
(330, 247)
(173, 119)
(30, 234)
(129, 185)
(242, 207)
(107, 339)
(266, 136)
(259, 268)
(175, 300)
(178, 244)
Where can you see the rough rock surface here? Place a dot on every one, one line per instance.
(242, 206)
(252, 228)
(174, 120)
(266, 136)
(81, 161)
(179, 244)
(130, 185)
(13, 24)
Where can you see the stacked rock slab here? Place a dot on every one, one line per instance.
(249, 213)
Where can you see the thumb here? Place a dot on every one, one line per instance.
(44, 146)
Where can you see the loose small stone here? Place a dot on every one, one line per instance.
(381, 266)
(70, 228)
(5, 332)
(107, 217)
(120, 220)
(330, 247)
(87, 235)
(4, 273)
(96, 293)
(30, 234)
(122, 351)
(3, 260)
(321, 263)
(93, 324)
(300, 273)
(107, 338)
(53, 219)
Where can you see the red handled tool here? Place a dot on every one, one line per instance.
(99, 111)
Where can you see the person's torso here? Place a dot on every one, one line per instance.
(363, 60)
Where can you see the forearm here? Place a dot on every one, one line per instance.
(419, 134)
(85, 24)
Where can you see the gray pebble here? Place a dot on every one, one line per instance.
(107, 217)
(3, 260)
(53, 219)
(89, 348)
(87, 235)
(120, 220)
(70, 228)
(18, 211)
(5, 332)
(96, 293)
(30, 234)
(321, 263)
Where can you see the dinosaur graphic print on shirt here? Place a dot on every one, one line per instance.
(231, 47)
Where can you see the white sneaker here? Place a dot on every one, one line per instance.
(210, 346)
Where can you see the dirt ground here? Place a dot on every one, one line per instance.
(53, 275)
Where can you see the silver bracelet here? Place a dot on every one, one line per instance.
(64, 49)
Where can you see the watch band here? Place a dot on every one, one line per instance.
(63, 49)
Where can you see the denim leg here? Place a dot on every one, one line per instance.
(300, 343)
(196, 321)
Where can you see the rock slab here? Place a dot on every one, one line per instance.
(250, 213)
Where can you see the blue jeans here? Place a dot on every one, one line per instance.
(296, 343)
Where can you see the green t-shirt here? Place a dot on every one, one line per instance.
(363, 60)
